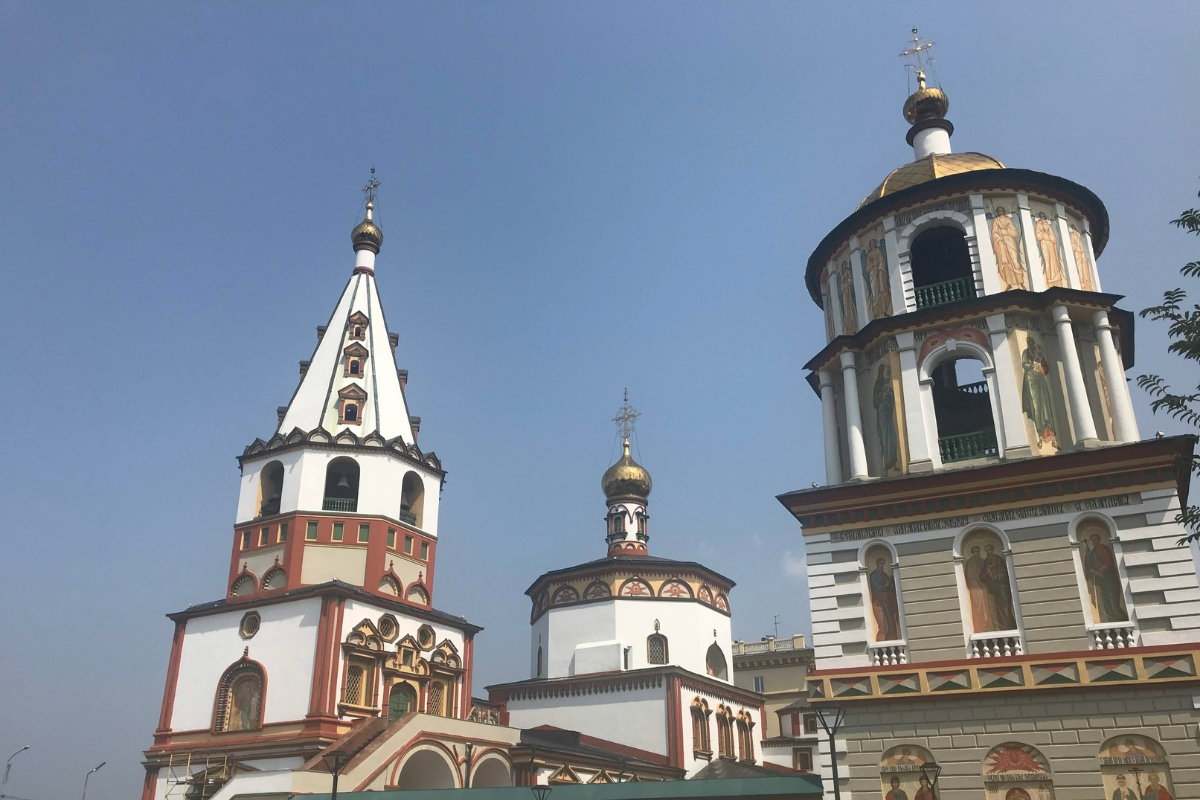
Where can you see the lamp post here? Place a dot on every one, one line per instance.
(334, 761)
(8, 767)
(85, 777)
(930, 771)
(831, 718)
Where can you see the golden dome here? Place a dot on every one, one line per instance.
(626, 479)
(931, 168)
(366, 235)
(926, 103)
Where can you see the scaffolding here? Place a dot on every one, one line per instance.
(196, 776)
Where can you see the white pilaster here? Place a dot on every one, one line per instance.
(1008, 394)
(860, 283)
(1124, 422)
(1081, 411)
(833, 454)
(914, 419)
(835, 299)
(854, 435)
(1091, 253)
(901, 283)
(983, 241)
(1063, 229)
(1033, 256)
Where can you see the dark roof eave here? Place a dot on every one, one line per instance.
(984, 179)
(609, 562)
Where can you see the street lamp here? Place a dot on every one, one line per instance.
(90, 771)
(540, 792)
(334, 761)
(930, 771)
(831, 718)
(8, 767)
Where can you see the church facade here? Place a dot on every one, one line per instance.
(998, 589)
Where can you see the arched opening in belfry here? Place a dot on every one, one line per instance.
(270, 489)
(412, 499)
(341, 485)
(962, 407)
(941, 267)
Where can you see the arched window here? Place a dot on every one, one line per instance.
(401, 700)
(618, 522)
(989, 589)
(701, 745)
(656, 649)
(962, 407)
(641, 523)
(437, 699)
(351, 412)
(1015, 770)
(714, 662)
(388, 585)
(243, 586)
(1098, 561)
(417, 594)
(900, 772)
(276, 578)
(745, 729)
(240, 698)
(941, 267)
(1135, 766)
(539, 662)
(412, 499)
(724, 731)
(270, 489)
(341, 485)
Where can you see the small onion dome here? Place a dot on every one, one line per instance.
(926, 103)
(626, 479)
(366, 235)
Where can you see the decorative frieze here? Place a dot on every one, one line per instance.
(959, 204)
(880, 350)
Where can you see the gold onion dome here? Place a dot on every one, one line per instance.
(925, 103)
(366, 235)
(626, 478)
(930, 168)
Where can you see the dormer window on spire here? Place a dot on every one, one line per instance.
(354, 359)
(357, 326)
(350, 405)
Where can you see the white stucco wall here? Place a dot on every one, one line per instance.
(285, 645)
(636, 718)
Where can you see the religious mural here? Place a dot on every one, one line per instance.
(1014, 771)
(989, 590)
(245, 702)
(1045, 233)
(1083, 264)
(900, 774)
(881, 585)
(1037, 399)
(845, 281)
(829, 329)
(1135, 768)
(874, 267)
(883, 397)
(1100, 572)
(1004, 223)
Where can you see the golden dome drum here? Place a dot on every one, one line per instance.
(626, 479)
(366, 235)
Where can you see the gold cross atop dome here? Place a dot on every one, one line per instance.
(369, 189)
(918, 56)
(625, 418)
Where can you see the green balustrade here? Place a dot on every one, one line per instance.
(939, 294)
(339, 504)
(964, 446)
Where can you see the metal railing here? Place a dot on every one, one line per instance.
(979, 387)
(339, 504)
(939, 294)
(964, 446)
(407, 516)
(769, 645)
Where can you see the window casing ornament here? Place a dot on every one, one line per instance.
(656, 649)
(1103, 583)
(354, 361)
(701, 745)
(240, 697)
(356, 326)
(745, 728)
(251, 622)
(880, 579)
(725, 731)
(351, 401)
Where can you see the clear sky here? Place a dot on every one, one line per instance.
(576, 198)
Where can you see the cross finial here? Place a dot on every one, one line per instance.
(625, 417)
(918, 56)
(369, 189)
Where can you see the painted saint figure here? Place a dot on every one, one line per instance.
(1123, 792)
(1103, 581)
(1154, 788)
(244, 698)
(883, 602)
(846, 295)
(884, 399)
(1036, 400)
(879, 295)
(994, 576)
(896, 793)
(1047, 241)
(926, 791)
(1082, 265)
(1006, 245)
(981, 619)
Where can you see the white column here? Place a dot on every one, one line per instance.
(1124, 422)
(1008, 399)
(915, 427)
(1081, 411)
(833, 454)
(860, 284)
(983, 241)
(854, 436)
(835, 299)
(1063, 229)
(1033, 256)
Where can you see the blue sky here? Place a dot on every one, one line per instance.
(576, 198)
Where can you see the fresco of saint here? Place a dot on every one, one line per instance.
(883, 600)
(1082, 265)
(245, 696)
(1036, 400)
(1123, 792)
(926, 791)
(879, 295)
(981, 619)
(994, 577)
(1047, 241)
(1154, 789)
(1006, 244)
(1103, 580)
(896, 793)
(846, 295)
(883, 397)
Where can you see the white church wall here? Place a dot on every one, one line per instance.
(635, 717)
(690, 627)
(284, 645)
(249, 497)
(568, 628)
(539, 640)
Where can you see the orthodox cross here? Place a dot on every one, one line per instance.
(372, 185)
(625, 417)
(918, 55)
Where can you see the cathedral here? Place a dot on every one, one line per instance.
(1001, 605)
(327, 660)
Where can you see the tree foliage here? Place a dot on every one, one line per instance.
(1184, 332)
